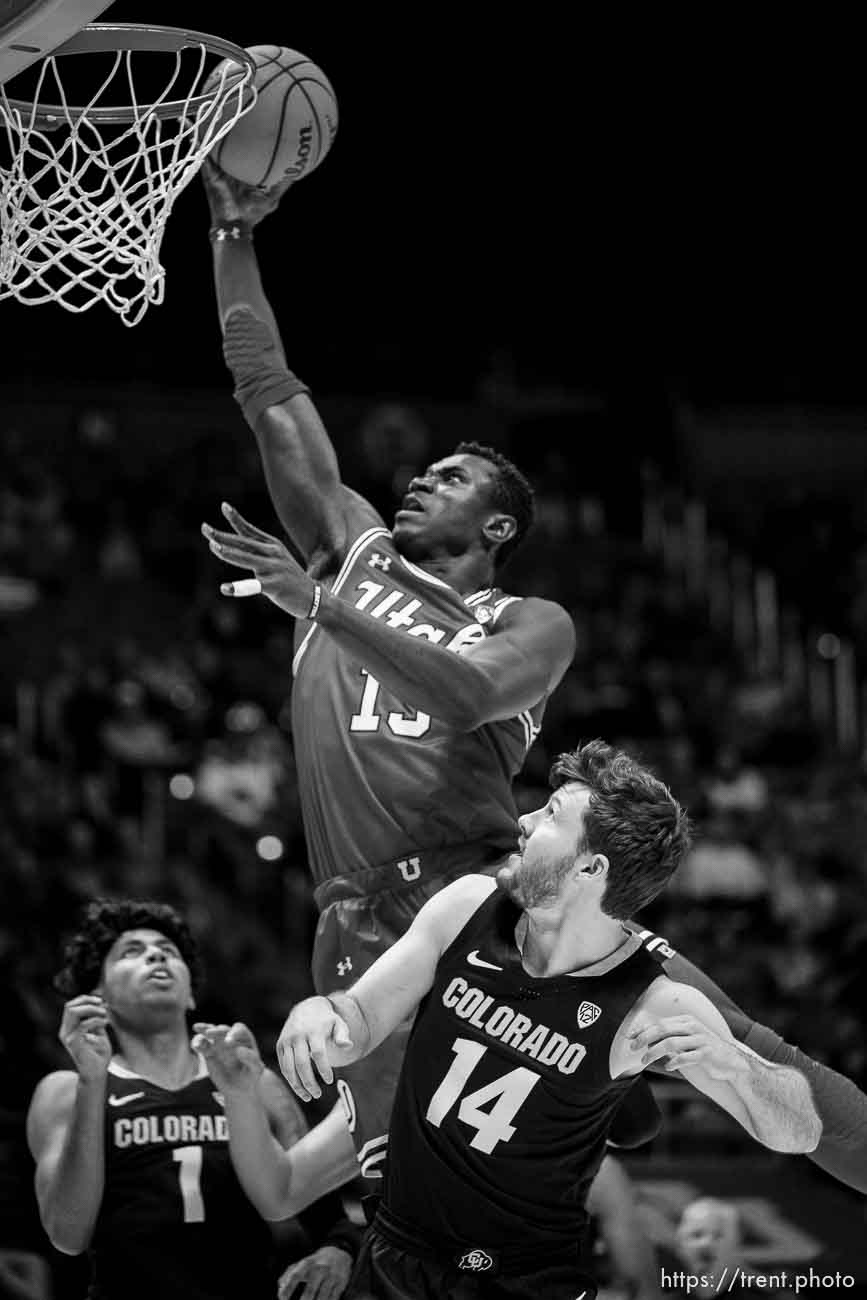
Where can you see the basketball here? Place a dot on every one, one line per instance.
(290, 128)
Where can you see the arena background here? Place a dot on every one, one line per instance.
(632, 260)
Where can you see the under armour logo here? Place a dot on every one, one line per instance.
(476, 1261)
(409, 868)
(344, 966)
(588, 1014)
(378, 561)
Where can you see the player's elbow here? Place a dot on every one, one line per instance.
(69, 1239)
(795, 1139)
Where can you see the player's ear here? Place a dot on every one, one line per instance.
(500, 528)
(597, 867)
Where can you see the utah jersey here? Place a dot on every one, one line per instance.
(377, 779)
(174, 1221)
(505, 1099)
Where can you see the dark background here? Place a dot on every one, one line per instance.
(631, 255)
(639, 206)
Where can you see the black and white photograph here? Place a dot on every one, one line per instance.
(433, 653)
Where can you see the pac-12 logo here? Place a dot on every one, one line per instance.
(588, 1014)
(476, 1261)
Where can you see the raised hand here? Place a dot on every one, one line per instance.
(278, 574)
(84, 1034)
(232, 1055)
(232, 200)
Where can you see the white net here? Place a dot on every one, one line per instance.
(84, 201)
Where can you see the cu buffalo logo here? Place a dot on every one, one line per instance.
(588, 1014)
(475, 1261)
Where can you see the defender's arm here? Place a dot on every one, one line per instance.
(330, 1031)
(772, 1102)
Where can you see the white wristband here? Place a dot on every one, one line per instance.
(317, 598)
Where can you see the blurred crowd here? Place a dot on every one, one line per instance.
(144, 746)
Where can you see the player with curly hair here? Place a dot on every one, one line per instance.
(132, 1145)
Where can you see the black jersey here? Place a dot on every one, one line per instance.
(505, 1098)
(174, 1223)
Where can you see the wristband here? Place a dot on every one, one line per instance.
(314, 610)
(229, 230)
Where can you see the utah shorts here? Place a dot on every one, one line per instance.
(361, 916)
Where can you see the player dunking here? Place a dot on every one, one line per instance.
(537, 1008)
(418, 682)
(132, 1144)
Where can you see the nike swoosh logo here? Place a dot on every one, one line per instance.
(123, 1101)
(475, 960)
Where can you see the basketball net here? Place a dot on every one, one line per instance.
(84, 203)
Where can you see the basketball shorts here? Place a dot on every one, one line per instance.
(361, 916)
(395, 1266)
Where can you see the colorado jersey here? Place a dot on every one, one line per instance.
(505, 1099)
(377, 779)
(174, 1221)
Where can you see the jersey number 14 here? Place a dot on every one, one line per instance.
(509, 1092)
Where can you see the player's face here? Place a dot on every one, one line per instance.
(705, 1235)
(445, 508)
(549, 847)
(145, 977)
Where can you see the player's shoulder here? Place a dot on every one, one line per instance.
(447, 912)
(536, 610)
(665, 996)
(56, 1089)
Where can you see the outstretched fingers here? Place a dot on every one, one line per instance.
(242, 526)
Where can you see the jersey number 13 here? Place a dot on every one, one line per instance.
(367, 719)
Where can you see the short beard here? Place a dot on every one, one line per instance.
(538, 885)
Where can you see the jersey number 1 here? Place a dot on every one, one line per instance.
(189, 1177)
(510, 1092)
(367, 719)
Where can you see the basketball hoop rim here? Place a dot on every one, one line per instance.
(109, 38)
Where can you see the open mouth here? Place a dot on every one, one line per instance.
(159, 977)
(411, 504)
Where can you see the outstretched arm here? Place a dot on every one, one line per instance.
(772, 1102)
(841, 1106)
(324, 1032)
(511, 670)
(279, 1182)
(298, 458)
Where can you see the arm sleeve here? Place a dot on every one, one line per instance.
(842, 1107)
